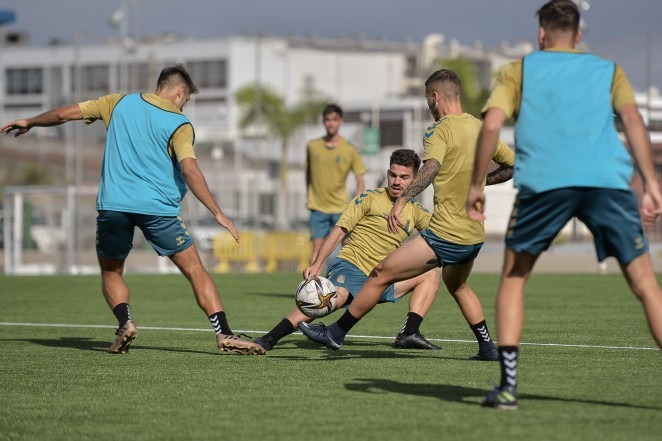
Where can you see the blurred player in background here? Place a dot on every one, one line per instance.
(452, 240)
(570, 162)
(328, 162)
(148, 162)
(369, 241)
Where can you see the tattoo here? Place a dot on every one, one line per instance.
(422, 180)
(501, 174)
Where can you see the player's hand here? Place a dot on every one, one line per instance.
(226, 223)
(651, 205)
(476, 203)
(312, 271)
(393, 219)
(20, 125)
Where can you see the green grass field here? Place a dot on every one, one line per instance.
(587, 370)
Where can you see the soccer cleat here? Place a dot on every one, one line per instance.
(413, 341)
(267, 343)
(489, 354)
(125, 336)
(319, 333)
(232, 343)
(502, 398)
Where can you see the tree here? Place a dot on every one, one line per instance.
(473, 95)
(262, 107)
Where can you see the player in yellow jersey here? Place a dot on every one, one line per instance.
(329, 160)
(452, 240)
(369, 241)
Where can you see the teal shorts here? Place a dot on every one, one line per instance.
(611, 215)
(347, 275)
(322, 223)
(168, 235)
(449, 253)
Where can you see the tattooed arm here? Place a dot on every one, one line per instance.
(499, 175)
(422, 180)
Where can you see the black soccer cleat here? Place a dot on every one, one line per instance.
(267, 343)
(413, 341)
(486, 354)
(319, 333)
(502, 398)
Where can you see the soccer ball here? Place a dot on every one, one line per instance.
(316, 297)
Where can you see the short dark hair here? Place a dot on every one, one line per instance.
(175, 75)
(332, 108)
(406, 158)
(559, 15)
(449, 83)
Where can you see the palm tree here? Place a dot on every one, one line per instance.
(262, 107)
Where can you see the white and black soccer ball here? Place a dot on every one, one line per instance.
(316, 297)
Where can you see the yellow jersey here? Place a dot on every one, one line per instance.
(328, 168)
(452, 142)
(365, 218)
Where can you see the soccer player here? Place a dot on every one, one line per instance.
(329, 160)
(452, 240)
(569, 162)
(148, 162)
(369, 241)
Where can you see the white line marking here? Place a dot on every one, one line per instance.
(374, 337)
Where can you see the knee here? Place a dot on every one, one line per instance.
(432, 277)
(380, 274)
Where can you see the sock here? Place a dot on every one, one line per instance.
(482, 335)
(340, 328)
(220, 323)
(508, 361)
(412, 324)
(123, 313)
(282, 329)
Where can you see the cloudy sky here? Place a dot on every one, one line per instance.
(617, 29)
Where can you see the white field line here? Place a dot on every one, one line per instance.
(374, 337)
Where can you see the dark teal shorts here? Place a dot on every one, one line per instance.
(347, 275)
(322, 223)
(168, 235)
(611, 215)
(449, 253)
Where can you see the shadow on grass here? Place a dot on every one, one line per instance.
(89, 344)
(461, 394)
(355, 349)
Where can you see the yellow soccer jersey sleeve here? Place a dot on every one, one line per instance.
(365, 218)
(452, 142)
(181, 144)
(507, 92)
(329, 168)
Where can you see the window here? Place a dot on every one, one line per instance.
(25, 81)
(208, 74)
(140, 78)
(93, 78)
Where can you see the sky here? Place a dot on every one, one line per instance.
(616, 29)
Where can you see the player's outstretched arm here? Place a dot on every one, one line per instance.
(486, 144)
(198, 184)
(53, 117)
(330, 243)
(421, 181)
